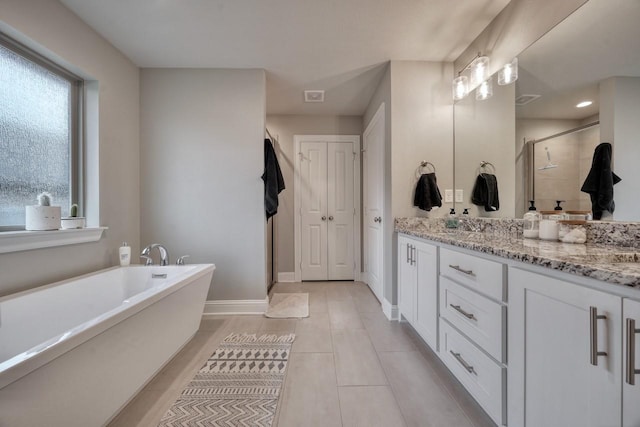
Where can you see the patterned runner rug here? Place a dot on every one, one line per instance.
(238, 386)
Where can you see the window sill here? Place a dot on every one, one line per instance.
(16, 241)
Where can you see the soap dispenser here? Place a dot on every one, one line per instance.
(125, 254)
(452, 219)
(531, 224)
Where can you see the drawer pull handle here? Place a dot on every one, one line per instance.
(463, 362)
(631, 370)
(462, 270)
(593, 329)
(464, 313)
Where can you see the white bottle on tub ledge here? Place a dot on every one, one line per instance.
(125, 254)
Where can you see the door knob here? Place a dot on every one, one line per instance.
(330, 217)
(377, 219)
(324, 218)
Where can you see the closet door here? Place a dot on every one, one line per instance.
(340, 211)
(313, 210)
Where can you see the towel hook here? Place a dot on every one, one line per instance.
(485, 165)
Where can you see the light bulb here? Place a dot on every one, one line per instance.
(509, 73)
(479, 70)
(460, 87)
(485, 90)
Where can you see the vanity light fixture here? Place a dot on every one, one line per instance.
(509, 73)
(479, 70)
(584, 104)
(460, 87)
(485, 90)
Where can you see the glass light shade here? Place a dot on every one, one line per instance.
(509, 73)
(485, 90)
(460, 87)
(479, 70)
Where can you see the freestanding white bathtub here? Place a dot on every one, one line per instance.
(73, 353)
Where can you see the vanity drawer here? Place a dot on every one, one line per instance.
(483, 378)
(479, 274)
(479, 318)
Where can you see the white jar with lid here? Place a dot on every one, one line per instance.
(572, 231)
(549, 225)
(531, 225)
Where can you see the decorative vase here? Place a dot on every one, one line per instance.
(40, 218)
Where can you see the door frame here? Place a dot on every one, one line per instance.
(355, 140)
(378, 116)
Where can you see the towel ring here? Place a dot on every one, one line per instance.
(424, 165)
(485, 165)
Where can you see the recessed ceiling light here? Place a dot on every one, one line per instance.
(584, 104)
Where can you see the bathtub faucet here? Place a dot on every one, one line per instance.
(164, 254)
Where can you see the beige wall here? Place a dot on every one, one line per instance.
(485, 131)
(202, 134)
(419, 126)
(283, 128)
(54, 31)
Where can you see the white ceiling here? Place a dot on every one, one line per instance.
(340, 46)
(598, 41)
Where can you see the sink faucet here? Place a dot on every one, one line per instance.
(164, 254)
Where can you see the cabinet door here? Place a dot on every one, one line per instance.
(407, 277)
(631, 393)
(426, 316)
(551, 380)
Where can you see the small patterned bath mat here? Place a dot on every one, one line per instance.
(238, 386)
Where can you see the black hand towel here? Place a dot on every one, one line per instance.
(485, 192)
(427, 194)
(273, 180)
(600, 181)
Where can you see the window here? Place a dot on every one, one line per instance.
(40, 134)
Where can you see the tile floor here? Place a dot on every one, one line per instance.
(349, 366)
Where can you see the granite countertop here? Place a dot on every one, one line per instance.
(613, 264)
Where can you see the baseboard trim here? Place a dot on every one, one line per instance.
(236, 306)
(389, 310)
(286, 277)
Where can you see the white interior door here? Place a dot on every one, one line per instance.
(313, 210)
(340, 210)
(326, 193)
(373, 201)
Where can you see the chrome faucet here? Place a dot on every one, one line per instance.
(164, 254)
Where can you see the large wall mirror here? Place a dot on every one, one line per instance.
(590, 56)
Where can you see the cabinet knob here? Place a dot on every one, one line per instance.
(324, 218)
(330, 217)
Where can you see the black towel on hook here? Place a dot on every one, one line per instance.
(485, 192)
(600, 181)
(427, 194)
(273, 180)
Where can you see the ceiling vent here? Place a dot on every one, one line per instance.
(313, 96)
(526, 99)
